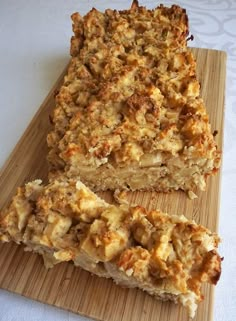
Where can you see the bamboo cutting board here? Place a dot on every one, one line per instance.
(71, 288)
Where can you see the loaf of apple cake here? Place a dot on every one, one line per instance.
(129, 114)
(167, 256)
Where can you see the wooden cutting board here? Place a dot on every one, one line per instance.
(70, 288)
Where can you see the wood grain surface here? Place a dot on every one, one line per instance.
(70, 288)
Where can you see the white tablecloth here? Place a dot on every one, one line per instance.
(34, 49)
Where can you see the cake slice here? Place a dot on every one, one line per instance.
(167, 256)
(129, 114)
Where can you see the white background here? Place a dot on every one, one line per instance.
(34, 49)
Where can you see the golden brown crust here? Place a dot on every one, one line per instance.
(167, 256)
(130, 93)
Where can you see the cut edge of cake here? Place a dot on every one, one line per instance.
(167, 256)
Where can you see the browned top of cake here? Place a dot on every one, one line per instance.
(130, 92)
